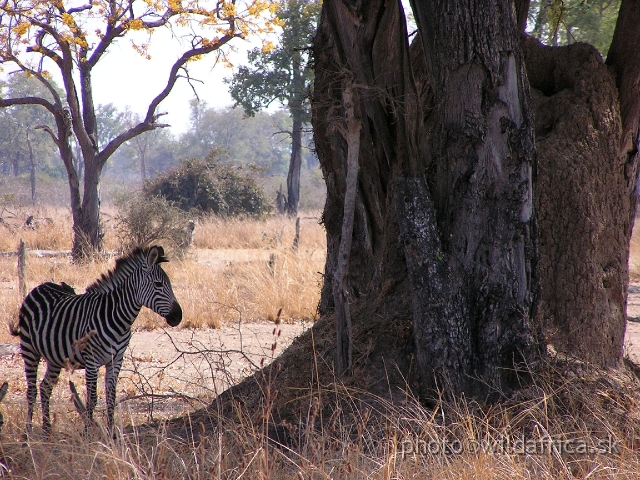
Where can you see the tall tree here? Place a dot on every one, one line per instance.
(447, 193)
(283, 73)
(72, 39)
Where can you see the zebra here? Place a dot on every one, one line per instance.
(92, 329)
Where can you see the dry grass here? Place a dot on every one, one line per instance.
(272, 232)
(253, 272)
(539, 434)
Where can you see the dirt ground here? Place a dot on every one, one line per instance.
(183, 369)
(169, 370)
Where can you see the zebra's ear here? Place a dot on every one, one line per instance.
(161, 257)
(153, 255)
(156, 255)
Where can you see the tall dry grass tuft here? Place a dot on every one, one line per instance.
(562, 426)
(272, 232)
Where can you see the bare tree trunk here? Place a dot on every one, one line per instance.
(32, 171)
(395, 246)
(142, 146)
(143, 169)
(88, 233)
(623, 61)
(445, 211)
(62, 138)
(293, 177)
(481, 144)
(341, 53)
(16, 164)
(281, 201)
(22, 266)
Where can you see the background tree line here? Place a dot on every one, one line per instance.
(261, 140)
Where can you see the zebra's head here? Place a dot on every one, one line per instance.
(155, 287)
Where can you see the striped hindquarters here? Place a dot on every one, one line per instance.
(53, 319)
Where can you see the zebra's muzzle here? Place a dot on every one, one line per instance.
(175, 315)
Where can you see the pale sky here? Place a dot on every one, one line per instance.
(124, 78)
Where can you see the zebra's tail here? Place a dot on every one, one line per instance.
(14, 329)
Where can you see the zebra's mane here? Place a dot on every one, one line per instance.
(125, 266)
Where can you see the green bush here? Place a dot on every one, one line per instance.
(210, 186)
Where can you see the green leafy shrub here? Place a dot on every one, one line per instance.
(209, 186)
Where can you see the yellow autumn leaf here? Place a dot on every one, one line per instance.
(68, 20)
(21, 28)
(136, 24)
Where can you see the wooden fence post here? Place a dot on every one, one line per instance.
(296, 240)
(22, 264)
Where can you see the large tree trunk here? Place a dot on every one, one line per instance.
(87, 229)
(462, 246)
(482, 145)
(447, 194)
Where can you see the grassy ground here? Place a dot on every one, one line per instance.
(574, 421)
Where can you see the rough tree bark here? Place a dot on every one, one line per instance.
(462, 243)
(344, 329)
(32, 170)
(480, 138)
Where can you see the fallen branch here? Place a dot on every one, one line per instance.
(77, 401)
(351, 133)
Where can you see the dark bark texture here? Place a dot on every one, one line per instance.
(359, 43)
(624, 61)
(456, 233)
(480, 140)
(454, 173)
(295, 162)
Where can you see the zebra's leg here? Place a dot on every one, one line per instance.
(91, 377)
(110, 381)
(46, 387)
(31, 362)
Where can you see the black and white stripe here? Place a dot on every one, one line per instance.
(91, 329)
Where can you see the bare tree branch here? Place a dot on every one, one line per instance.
(134, 131)
(9, 102)
(82, 8)
(50, 132)
(173, 74)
